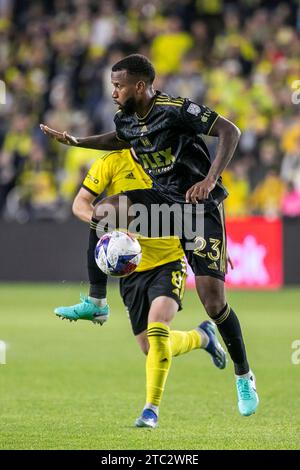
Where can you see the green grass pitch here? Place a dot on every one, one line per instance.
(80, 386)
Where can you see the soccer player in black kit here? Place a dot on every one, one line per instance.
(165, 133)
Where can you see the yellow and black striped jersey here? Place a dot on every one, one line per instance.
(116, 172)
(167, 142)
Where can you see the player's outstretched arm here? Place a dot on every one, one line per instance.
(62, 137)
(228, 135)
(108, 141)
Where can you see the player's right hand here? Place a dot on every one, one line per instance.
(62, 137)
(229, 262)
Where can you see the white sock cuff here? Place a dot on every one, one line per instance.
(154, 408)
(204, 337)
(245, 376)
(98, 302)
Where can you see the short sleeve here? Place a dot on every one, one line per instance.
(198, 117)
(98, 177)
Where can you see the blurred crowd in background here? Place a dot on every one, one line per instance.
(241, 58)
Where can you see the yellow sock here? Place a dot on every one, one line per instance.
(158, 361)
(184, 341)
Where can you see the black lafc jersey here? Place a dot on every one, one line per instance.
(168, 144)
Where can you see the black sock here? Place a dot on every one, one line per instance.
(230, 329)
(97, 278)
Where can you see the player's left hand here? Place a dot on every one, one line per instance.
(200, 191)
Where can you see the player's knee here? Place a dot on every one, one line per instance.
(212, 295)
(212, 301)
(163, 310)
(213, 306)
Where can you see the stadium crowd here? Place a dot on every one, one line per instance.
(240, 58)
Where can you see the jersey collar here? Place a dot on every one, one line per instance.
(150, 109)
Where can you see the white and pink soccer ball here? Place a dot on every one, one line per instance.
(118, 254)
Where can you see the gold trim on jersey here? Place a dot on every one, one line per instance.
(212, 125)
(223, 249)
(119, 139)
(172, 100)
(148, 112)
(166, 103)
(164, 100)
(184, 272)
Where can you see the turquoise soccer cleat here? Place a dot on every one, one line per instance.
(85, 310)
(148, 419)
(247, 396)
(214, 348)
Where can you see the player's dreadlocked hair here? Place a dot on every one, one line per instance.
(138, 65)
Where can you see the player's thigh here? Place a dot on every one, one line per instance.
(133, 290)
(162, 310)
(208, 257)
(166, 291)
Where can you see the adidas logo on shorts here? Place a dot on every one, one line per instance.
(213, 265)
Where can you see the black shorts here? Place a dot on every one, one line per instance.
(207, 257)
(139, 289)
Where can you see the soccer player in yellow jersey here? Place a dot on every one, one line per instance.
(152, 294)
